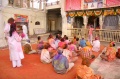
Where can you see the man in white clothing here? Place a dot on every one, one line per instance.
(96, 45)
(25, 31)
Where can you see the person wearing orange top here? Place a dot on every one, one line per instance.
(86, 51)
(85, 72)
(110, 53)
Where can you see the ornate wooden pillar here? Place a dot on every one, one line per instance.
(85, 21)
(101, 21)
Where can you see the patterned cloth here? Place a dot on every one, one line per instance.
(111, 53)
(60, 63)
(86, 52)
(84, 72)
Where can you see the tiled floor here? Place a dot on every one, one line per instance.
(109, 70)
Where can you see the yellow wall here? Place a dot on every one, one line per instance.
(33, 16)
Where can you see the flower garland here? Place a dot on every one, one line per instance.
(98, 12)
(89, 13)
(80, 13)
(109, 12)
(72, 14)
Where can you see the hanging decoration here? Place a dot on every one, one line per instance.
(95, 12)
(71, 14)
(109, 12)
(89, 13)
(80, 13)
(118, 11)
(98, 12)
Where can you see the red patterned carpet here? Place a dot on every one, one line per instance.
(32, 68)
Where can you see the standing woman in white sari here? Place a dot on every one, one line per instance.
(14, 41)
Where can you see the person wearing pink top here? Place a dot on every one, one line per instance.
(90, 34)
(67, 53)
(61, 43)
(73, 48)
(51, 41)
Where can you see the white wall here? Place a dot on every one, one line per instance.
(33, 16)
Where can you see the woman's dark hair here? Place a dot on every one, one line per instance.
(65, 46)
(39, 37)
(57, 36)
(66, 38)
(62, 39)
(77, 39)
(12, 28)
(10, 20)
(46, 45)
(113, 45)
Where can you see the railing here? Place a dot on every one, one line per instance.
(104, 35)
(52, 3)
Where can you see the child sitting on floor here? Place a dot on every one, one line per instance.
(39, 44)
(28, 48)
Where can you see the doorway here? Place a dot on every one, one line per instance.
(94, 20)
(54, 21)
(78, 22)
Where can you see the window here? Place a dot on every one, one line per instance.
(52, 2)
(37, 23)
(26, 4)
(10, 2)
(36, 4)
(17, 3)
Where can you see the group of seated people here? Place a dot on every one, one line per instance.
(62, 53)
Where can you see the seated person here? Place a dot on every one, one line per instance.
(77, 44)
(57, 40)
(45, 55)
(96, 45)
(68, 54)
(67, 41)
(88, 44)
(28, 48)
(60, 63)
(39, 44)
(86, 52)
(118, 53)
(61, 43)
(73, 48)
(110, 53)
(51, 41)
(85, 72)
(74, 39)
(82, 42)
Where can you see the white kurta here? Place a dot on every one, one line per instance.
(25, 31)
(15, 47)
(45, 56)
(96, 45)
